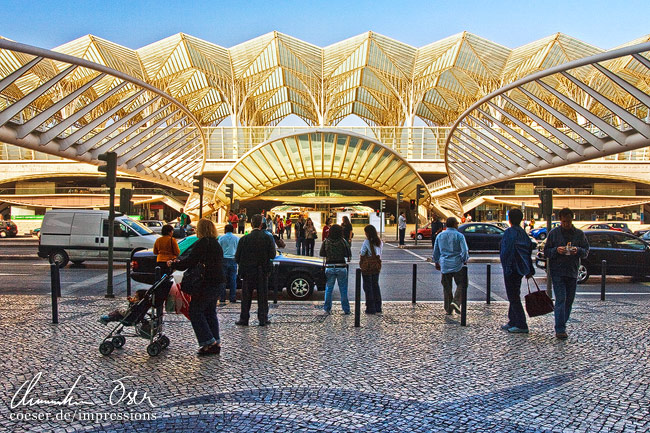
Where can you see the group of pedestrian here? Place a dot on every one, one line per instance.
(564, 248)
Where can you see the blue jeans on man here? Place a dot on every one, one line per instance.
(516, 315)
(230, 285)
(565, 293)
(333, 275)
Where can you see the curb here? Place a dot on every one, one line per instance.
(18, 257)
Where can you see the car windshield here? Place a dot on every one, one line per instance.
(186, 243)
(139, 228)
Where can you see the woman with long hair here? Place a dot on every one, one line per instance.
(310, 237)
(326, 228)
(346, 225)
(203, 306)
(336, 250)
(372, 246)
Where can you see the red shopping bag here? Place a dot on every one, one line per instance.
(179, 300)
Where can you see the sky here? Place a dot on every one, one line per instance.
(134, 24)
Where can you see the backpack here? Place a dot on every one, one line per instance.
(188, 220)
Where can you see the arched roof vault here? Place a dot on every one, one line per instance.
(317, 154)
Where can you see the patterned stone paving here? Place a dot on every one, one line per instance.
(410, 370)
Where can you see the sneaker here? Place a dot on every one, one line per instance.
(455, 307)
(103, 320)
(241, 323)
(449, 312)
(515, 330)
(506, 326)
(561, 335)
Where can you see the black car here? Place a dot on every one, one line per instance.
(625, 254)
(299, 274)
(482, 236)
(8, 229)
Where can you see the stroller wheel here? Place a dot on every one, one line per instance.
(164, 341)
(106, 348)
(154, 349)
(119, 341)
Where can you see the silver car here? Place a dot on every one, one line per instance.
(154, 225)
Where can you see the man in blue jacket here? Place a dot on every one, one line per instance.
(516, 261)
(450, 254)
(564, 248)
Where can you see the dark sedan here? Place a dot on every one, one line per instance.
(625, 254)
(482, 236)
(299, 274)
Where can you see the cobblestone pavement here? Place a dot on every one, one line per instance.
(411, 370)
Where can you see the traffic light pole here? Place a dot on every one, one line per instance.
(111, 234)
(201, 205)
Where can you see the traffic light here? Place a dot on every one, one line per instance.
(412, 204)
(546, 206)
(382, 205)
(230, 191)
(420, 192)
(197, 184)
(110, 168)
(125, 200)
(399, 198)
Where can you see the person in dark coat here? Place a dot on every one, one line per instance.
(254, 256)
(203, 305)
(564, 248)
(436, 228)
(516, 252)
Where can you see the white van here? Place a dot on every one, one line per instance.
(77, 235)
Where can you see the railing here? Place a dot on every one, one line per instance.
(80, 190)
(230, 143)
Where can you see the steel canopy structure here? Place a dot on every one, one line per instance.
(73, 108)
(320, 153)
(150, 105)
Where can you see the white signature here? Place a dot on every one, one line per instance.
(26, 395)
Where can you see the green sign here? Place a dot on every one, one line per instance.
(26, 217)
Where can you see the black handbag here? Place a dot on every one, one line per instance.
(193, 277)
(537, 303)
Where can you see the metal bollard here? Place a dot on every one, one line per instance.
(357, 299)
(128, 278)
(158, 273)
(56, 287)
(275, 282)
(488, 284)
(603, 275)
(414, 284)
(463, 305)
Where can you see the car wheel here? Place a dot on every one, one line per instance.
(420, 237)
(583, 274)
(59, 257)
(300, 286)
(542, 236)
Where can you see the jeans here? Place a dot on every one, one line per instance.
(249, 284)
(288, 230)
(203, 316)
(447, 281)
(565, 293)
(373, 294)
(241, 229)
(516, 315)
(402, 234)
(230, 272)
(332, 275)
(309, 247)
(301, 246)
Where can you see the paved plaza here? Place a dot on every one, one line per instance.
(411, 369)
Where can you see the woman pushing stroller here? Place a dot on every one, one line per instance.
(203, 305)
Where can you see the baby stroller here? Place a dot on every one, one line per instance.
(146, 317)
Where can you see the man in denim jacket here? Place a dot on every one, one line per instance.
(564, 248)
(516, 261)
